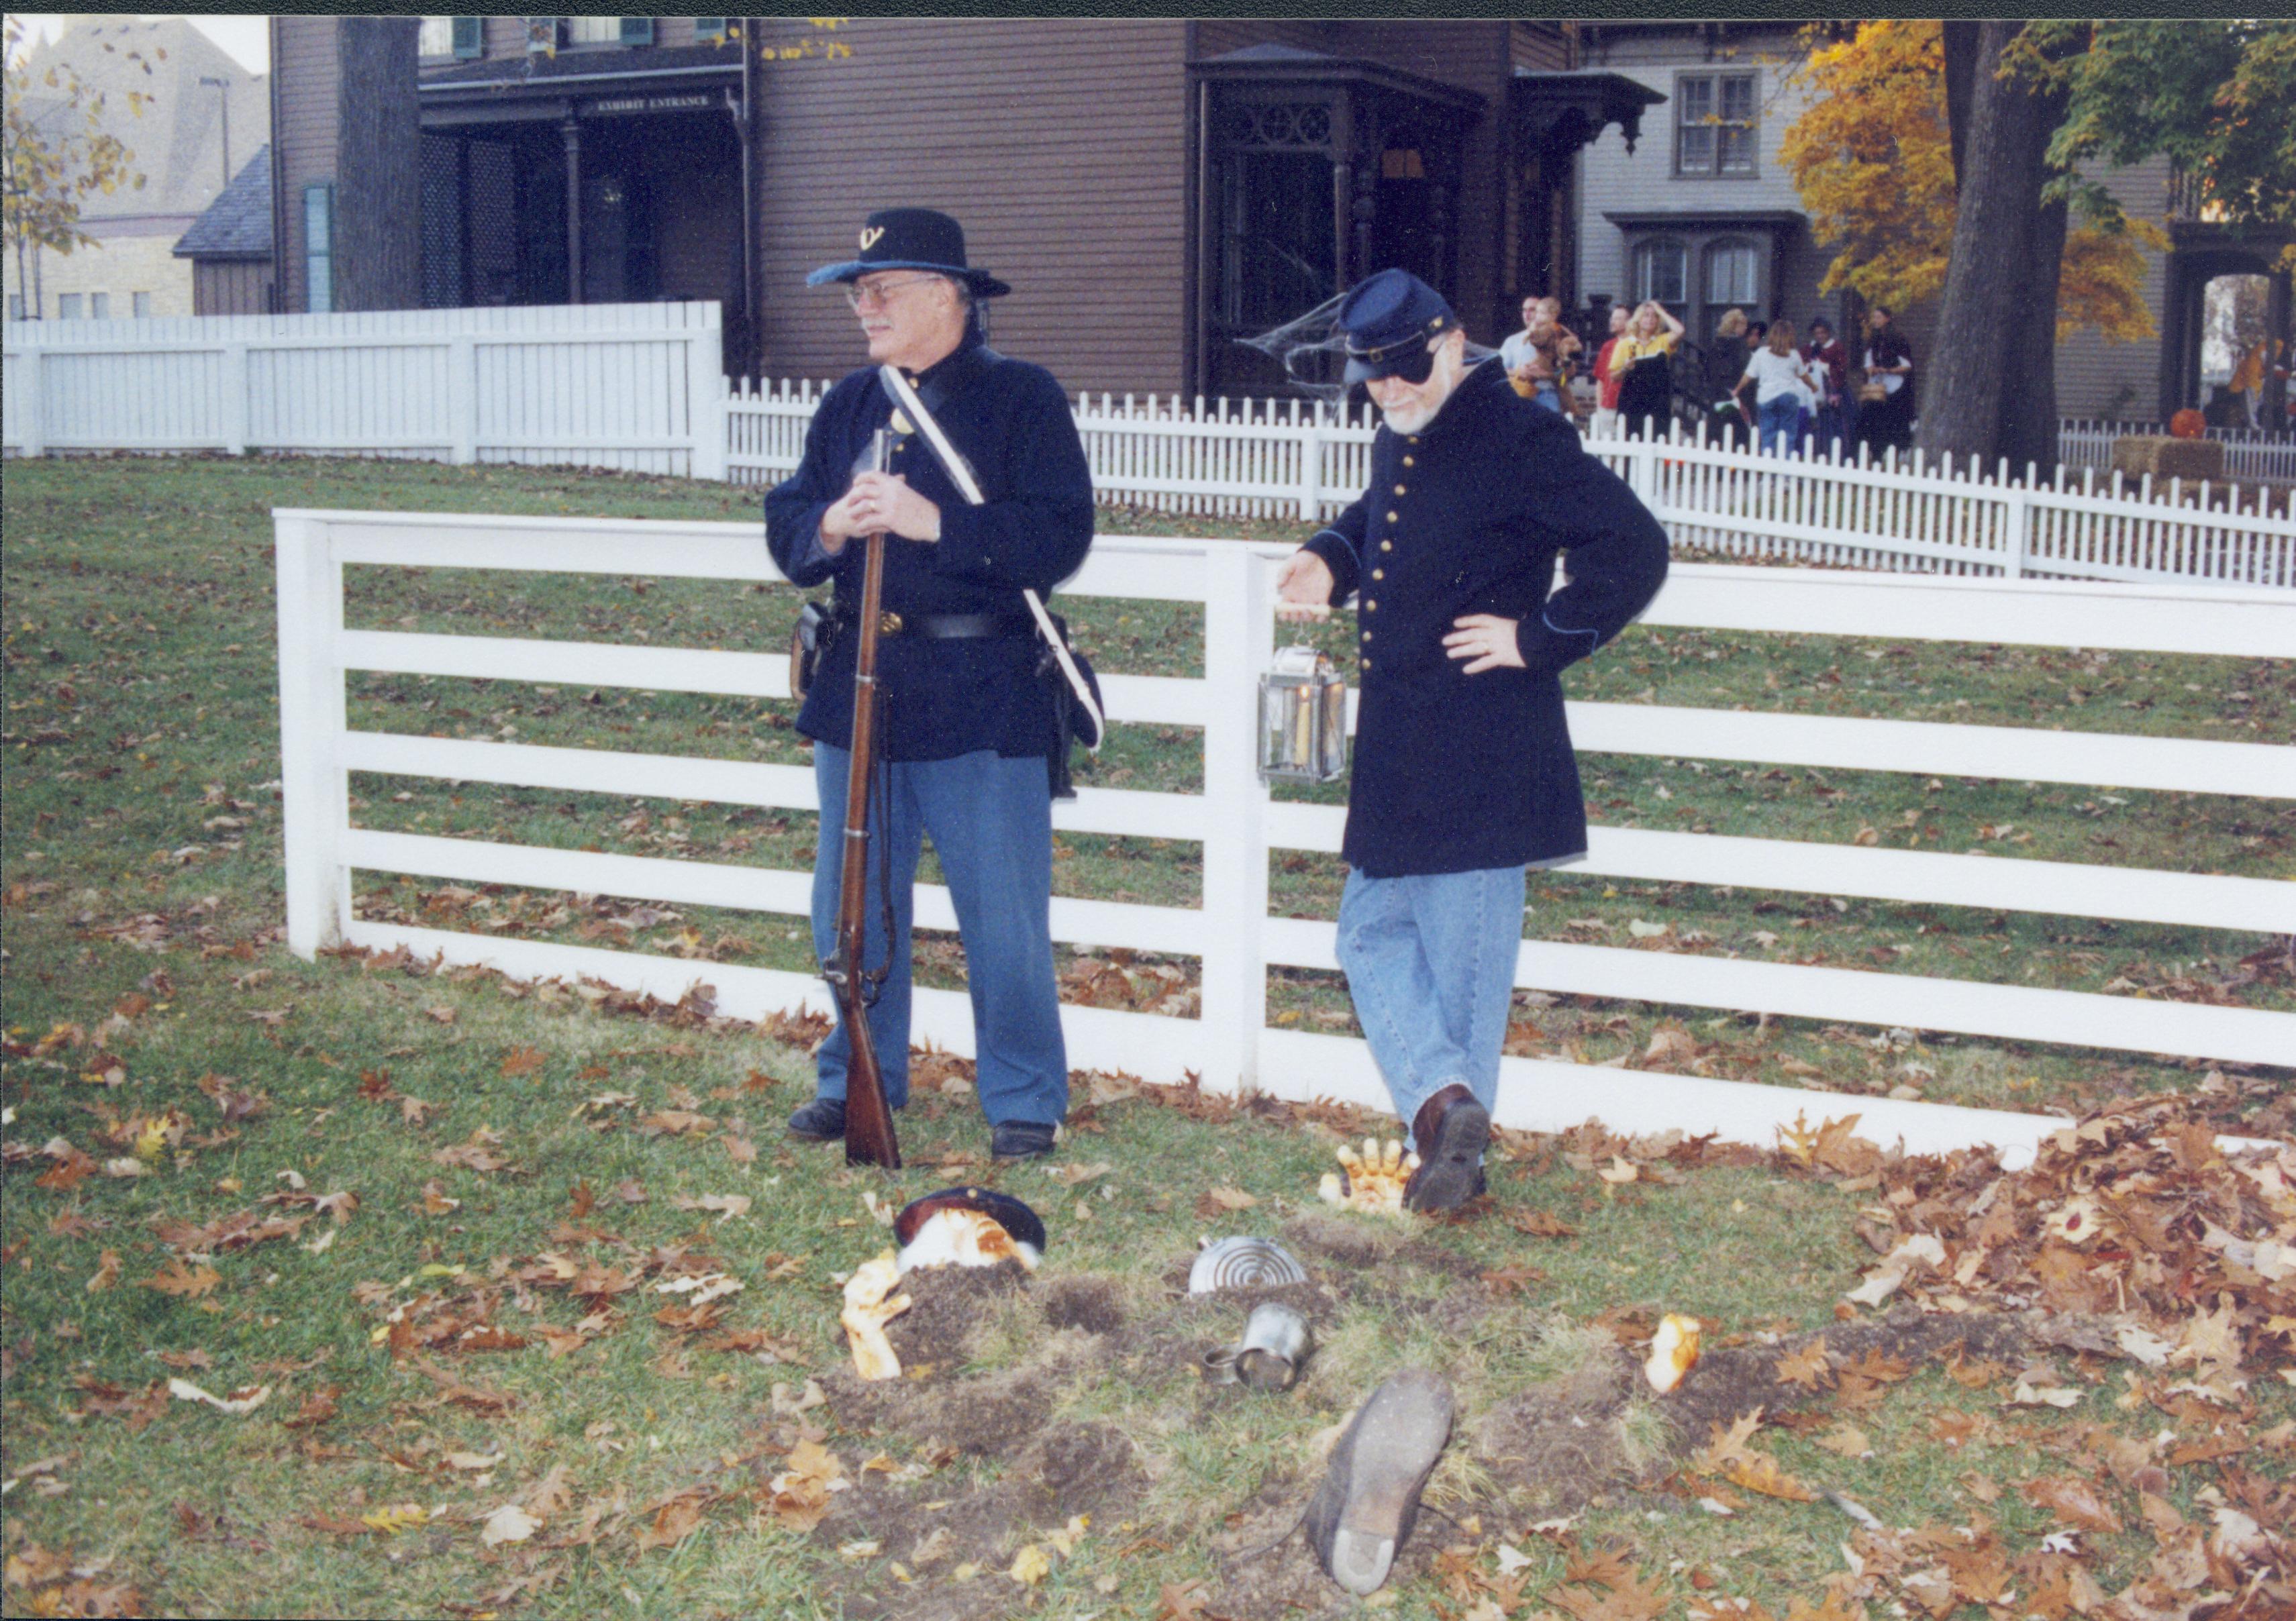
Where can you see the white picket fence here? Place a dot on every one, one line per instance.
(1237, 824)
(1303, 461)
(2251, 453)
(636, 387)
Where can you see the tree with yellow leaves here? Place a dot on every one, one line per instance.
(1873, 160)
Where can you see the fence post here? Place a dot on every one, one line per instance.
(463, 397)
(32, 410)
(235, 401)
(2017, 524)
(1643, 472)
(1239, 642)
(1311, 473)
(313, 785)
(706, 415)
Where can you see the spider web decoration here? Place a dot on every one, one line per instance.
(1313, 352)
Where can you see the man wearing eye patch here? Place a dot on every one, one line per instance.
(1463, 775)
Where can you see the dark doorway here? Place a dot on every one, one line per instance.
(1407, 223)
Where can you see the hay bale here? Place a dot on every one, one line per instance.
(2166, 458)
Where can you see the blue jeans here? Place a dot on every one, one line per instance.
(1430, 964)
(1833, 424)
(1778, 418)
(991, 821)
(1545, 394)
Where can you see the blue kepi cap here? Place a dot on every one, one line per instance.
(1389, 318)
(912, 239)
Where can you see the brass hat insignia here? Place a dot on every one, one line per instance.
(869, 236)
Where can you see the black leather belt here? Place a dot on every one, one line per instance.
(956, 627)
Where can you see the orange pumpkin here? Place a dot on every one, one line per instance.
(2188, 424)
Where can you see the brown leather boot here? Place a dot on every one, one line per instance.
(1450, 1130)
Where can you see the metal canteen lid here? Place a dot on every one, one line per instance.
(1242, 1262)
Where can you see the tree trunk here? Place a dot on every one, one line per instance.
(1960, 78)
(378, 229)
(2028, 405)
(1977, 349)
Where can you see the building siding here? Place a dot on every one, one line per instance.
(1612, 179)
(2096, 376)
(305, 63)
(1098, 293)
(228, 287)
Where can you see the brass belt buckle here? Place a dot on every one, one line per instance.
(888, 624)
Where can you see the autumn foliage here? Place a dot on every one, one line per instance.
(1873, 159)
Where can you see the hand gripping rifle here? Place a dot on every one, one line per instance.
(869, 1138)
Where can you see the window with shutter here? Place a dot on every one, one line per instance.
(319, 247)
(470, 37)
(709, 30)
(637, 30)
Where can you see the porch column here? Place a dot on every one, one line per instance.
(2271, 412)
(2172, 336)
(571, 131)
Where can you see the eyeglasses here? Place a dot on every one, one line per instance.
(879, 293)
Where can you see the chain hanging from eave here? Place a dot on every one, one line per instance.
(1276, 127)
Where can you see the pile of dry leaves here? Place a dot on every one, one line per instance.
(2136, 1221)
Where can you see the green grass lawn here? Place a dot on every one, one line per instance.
(496, 1137)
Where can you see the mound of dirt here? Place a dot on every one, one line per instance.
(1089, 1304)
(992, 1415)
(1731, 1380)
(1069, 1468)
(949, 1304)
(1553, 1446)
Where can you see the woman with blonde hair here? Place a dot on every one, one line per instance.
(1642, 360)
(1781, 383)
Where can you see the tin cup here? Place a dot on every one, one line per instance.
(1275, 1343)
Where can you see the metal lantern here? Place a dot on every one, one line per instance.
(1303, 719)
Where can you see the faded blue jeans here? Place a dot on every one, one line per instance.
(1429, 962)
(991, 821)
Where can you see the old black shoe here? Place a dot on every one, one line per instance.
(1450, 1132)
(822, 1120)
(1364, 1509)
(1022, 1140)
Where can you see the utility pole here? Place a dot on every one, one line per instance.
(224, 86)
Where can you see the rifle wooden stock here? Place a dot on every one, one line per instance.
(869, 1138)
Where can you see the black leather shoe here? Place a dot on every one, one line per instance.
(1363, 1509)
(1020, 1140)
(822, 1120)
(1450, 1131)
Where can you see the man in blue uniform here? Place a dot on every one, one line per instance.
(1463, 773)
(966, 726)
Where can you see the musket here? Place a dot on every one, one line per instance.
(869, 1138)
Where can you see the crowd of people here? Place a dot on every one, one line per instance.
(1763, 383)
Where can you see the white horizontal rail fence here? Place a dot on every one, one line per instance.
(2250, 453)
(1302, 462)
(634, 387)
(1235, 823)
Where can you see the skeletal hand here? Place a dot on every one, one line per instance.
(870, 1304)
(1373, 1180)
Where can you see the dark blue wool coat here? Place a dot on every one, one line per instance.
(1455, 771)
(1012, 423)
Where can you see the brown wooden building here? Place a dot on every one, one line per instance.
(1151, 188)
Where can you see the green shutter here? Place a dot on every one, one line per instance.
(319, 247)
(709, 28)
(637, 30)
(470, 37)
